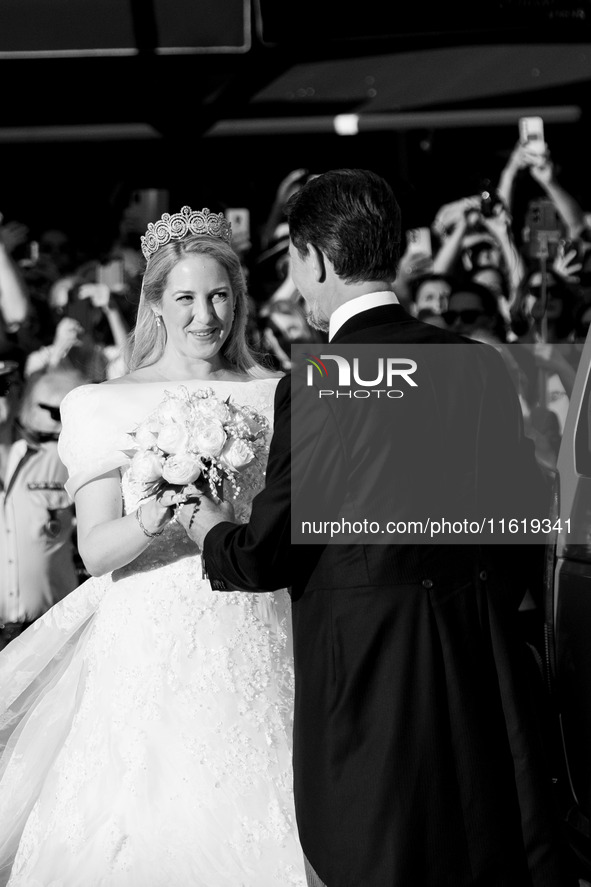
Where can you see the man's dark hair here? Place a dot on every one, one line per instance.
(352, 216)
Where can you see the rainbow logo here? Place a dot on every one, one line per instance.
(316, 362)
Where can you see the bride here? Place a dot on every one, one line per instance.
(146, 720)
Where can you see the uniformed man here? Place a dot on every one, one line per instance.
(37, 549)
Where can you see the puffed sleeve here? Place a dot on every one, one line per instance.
(91, 443)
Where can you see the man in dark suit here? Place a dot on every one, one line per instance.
(417, 762)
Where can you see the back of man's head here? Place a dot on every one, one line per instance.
(352, 216)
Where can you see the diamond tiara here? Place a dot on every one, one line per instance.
(179, 225)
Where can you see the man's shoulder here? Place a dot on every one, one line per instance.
(406, 331)
(283, 390)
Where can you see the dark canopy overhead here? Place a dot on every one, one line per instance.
(142, 91)
(165, 65)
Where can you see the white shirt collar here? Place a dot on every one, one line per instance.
(356, 306)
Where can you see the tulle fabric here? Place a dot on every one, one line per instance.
(39, 675)
(146, 723)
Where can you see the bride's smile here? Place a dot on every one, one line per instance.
(197, 308)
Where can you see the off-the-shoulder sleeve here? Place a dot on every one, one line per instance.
(90, 443)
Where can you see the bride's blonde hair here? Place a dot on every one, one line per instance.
(146, 342)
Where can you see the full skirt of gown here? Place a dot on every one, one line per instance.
(155, 745)
(146, 720)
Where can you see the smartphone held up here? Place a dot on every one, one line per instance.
(531, 137)
(112, 275)
(418, 241)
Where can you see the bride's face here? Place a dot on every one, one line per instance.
(197, 307)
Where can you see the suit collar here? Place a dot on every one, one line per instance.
(356, 306)
(371, 318)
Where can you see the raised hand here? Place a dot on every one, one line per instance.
(450, 215)
(540, 165)
(13, 234)
(567, 265)
(518, 158)
(98, 293)
(68, 333)
(497, 224)
(413, 265)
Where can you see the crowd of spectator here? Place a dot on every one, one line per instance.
(477, 267)
(511, 279)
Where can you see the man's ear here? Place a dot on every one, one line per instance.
(318, 260)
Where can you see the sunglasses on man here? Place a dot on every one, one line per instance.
(53, 411)
(467, 316)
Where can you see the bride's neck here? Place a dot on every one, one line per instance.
(177, 369)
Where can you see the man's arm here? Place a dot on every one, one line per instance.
(14, 299)
(256, 556)
(543, 171)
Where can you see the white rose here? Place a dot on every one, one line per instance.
(173, 438)
(209, 437)
(184, 468)
(213, 407)
(146, 435)
(146, 467)
(174, 410)
(237, 455)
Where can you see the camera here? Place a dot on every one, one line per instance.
(490, 201)
(489, 204)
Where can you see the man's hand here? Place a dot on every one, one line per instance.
(199, 517)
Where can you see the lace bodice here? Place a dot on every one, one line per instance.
(96, 425)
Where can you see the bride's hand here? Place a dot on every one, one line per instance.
(161, 509)
(169, 496)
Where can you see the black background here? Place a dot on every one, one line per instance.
(74, 181)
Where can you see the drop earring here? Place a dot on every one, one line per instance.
(158, 321)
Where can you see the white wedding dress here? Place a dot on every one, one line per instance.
(147, 719)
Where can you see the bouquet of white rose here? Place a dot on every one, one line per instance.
(196, 436)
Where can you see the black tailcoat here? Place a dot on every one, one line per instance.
(416, 758)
